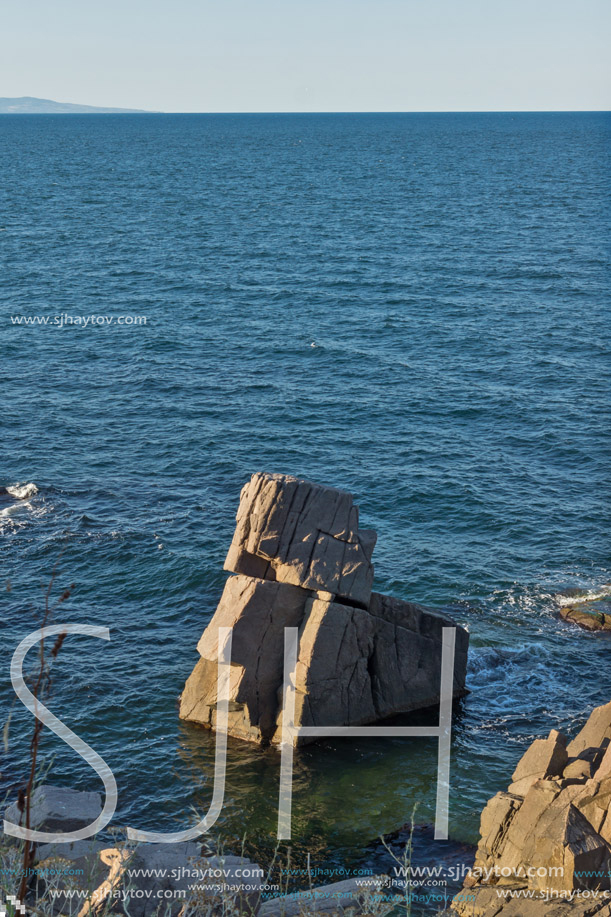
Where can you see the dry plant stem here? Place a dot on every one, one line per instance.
(116, 860)
(38, 687)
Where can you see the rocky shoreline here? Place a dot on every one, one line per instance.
(185, 879)
(298, 559)
(545, 846)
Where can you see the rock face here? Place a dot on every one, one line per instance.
(302, 561)
(595, 616)
(550, 834)
(294, 532)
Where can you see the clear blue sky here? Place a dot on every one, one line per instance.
(309, 55)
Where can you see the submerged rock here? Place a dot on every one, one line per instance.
(57, 809)
(302, 561)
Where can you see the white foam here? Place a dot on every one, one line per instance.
(22, 491)
(8, 510)
(591, 595)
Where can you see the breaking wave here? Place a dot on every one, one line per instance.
(579, 596)
(22, 491)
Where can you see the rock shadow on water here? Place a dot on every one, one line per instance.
(345, 790)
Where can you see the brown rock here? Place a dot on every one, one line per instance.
(544, 758)
(595, 734)
(586, 618)
(495, 823)
(302, 534)
(594, 801)
(591, 615)
(578, 769)
(485, 902)
(568, 851)
(258, 611)
(556, 841)
(541, 907)
(355, 666)
(478, 902)
(512, 855)
(302, 562)
(604, 768)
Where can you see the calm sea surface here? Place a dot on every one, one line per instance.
(407, 306)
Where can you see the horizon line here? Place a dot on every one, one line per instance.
(430, 111)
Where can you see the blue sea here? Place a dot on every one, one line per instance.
(412, 307)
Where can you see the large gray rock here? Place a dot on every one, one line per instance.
(156, 870)
(357, 666)
(354, 665)
(74, 851)
(302, 534)
(185, 881)
(73, 879)
(58, 809)
(226, 885)
(302, 561)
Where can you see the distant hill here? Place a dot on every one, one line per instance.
(27, 105)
